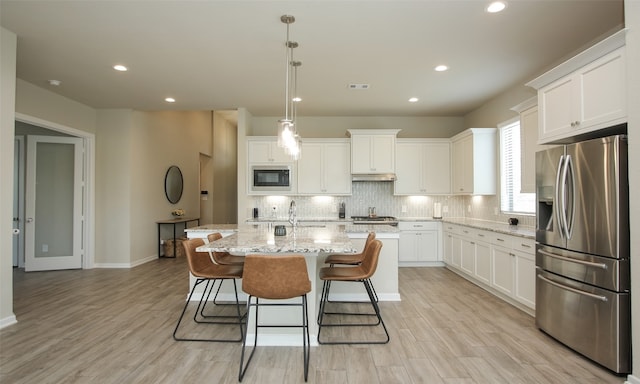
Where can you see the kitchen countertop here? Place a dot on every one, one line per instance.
(260, 239)
(345, 226)
(515, 230)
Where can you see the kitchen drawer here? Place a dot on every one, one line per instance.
(468, 232)
(418, 226)
(452, 228)
(525, 245)
(500, 239)
(481, 235)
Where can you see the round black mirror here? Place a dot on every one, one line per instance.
(173, 184)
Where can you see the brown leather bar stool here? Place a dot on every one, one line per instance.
(349, 258)
(357, 273)
(342, 259)
(205, 271)
(222, 258)
(276, 277)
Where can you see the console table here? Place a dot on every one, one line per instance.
(177, 220)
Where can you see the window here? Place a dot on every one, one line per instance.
(511, 200)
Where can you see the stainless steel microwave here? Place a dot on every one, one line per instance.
(271, 178)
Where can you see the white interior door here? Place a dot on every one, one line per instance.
(18, 202)
(54, 201)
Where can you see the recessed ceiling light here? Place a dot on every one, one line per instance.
(413, 99)
(120, 68)
(55, 83)
(496, 6)
(441, 68)
(296, 99)
(170, 100)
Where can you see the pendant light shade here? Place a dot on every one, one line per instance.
(288, 137)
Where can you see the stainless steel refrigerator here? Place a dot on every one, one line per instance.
(582, 251)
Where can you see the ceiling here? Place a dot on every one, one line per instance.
(219, 55)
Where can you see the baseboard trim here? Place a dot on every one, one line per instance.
(126, 265)
(7, 321)
(631, 379)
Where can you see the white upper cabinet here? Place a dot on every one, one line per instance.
(585, 94)
(265, 150)
(528, 111)
(473, 162)
(373, 150)
(324, 167)
(423, 167)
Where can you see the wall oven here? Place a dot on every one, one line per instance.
(271, 178)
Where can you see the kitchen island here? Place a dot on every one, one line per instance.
(315, 242)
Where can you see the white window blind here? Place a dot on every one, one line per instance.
(511, 200)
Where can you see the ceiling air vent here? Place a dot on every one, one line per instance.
(359, 86)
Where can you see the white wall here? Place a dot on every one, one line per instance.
(135, 149)
(8, 44)
(337, 126)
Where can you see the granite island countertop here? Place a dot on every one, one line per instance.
(260, 238)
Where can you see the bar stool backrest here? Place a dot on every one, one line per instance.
(370, 261)
(198, 261)
(214, 236)
(275, 277)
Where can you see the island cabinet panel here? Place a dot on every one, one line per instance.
(474, 162)
(373, 151)
(423, 167)
(502, 264)
(324, 167)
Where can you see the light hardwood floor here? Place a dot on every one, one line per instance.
(114, 326)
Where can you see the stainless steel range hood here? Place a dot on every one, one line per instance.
(373, 177)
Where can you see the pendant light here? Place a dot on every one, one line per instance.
(288, 137)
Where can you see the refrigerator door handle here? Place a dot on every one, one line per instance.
(558, 201)
(570, 289)
(572, 260)
(570, 180)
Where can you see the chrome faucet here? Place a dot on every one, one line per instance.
(293, 218)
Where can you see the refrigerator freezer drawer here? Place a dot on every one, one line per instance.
(604, 272)
(592, 321)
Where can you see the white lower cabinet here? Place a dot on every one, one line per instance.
(525, 272)
(420, 243)
(483, 262)
(502, 264)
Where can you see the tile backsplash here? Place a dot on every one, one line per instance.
(380, 195)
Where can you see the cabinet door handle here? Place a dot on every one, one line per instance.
(480, 234)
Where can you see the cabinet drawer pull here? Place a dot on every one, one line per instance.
(499, 239)
(525, 245)
(480, 234)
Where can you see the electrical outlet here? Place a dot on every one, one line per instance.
(495, 211)
(334, 209)
(445, 209)
(404, 209)
(45, 247)
(469, 208)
